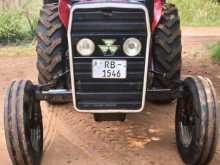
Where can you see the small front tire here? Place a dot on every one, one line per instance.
(23, 124)
(197, 121)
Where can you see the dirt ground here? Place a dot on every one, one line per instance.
(147, 138)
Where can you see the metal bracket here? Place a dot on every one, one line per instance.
(63, 96)
(52, 83)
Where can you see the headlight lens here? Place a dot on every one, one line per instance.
(85, 47)
(132, 47)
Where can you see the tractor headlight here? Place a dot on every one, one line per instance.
(132, 47)
(85, 47)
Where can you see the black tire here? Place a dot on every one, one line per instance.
(23, 124)
(166, 52)
(99, 117)
(50, 1)
(197, 121)
(51, 46)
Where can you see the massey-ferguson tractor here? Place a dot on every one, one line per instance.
(109, 58)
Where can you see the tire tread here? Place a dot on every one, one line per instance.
(52, 45)
(167, 50)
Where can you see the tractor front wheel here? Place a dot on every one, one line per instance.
(23, 124)
(197, 122)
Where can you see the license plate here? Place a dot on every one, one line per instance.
(109, 69)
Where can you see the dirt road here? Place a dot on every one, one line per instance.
(148, 138)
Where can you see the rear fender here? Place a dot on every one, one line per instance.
(157, 14)
(64, 12)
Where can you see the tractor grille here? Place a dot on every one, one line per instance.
(99, 24)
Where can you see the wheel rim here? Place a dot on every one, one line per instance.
(187, 119)
(32, 119)
(186, 135)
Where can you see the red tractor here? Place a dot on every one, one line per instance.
(108, 58)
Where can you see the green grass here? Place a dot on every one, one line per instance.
(13, 26)
(198, 12)
(216, 51)
(18, 24)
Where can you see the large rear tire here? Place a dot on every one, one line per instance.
(166, 52)
(23, 124)
(51, 46)
(197, 121)
(50, 1)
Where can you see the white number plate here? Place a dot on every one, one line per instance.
(109, 69)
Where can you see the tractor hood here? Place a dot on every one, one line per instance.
(154, 8)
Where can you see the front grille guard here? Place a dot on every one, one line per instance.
(109, 5)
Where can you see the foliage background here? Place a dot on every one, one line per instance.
(18, 18)
(199, 12)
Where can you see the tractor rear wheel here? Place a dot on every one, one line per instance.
(51, 46)
(50, 1)
(166, 52)
(23, 124)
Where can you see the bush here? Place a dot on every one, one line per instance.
(10, 26)
(15, 26)
(216, 51)
(19, 23)
(198, 12)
